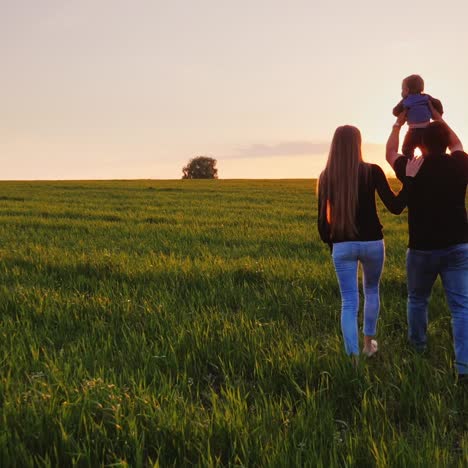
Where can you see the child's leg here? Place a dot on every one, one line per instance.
(413, 139)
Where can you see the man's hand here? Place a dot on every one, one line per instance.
(413, 166)
(435, 114)
(401, 119)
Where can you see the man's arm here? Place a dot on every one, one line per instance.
(454, 142)
(436, 104)
(391, 153)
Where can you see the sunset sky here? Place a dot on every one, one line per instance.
(95, 89)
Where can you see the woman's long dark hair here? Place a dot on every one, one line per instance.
(339, 183)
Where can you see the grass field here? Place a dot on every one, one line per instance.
(172, 323)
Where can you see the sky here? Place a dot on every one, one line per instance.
(124, 89)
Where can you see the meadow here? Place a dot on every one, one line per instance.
(179, 323)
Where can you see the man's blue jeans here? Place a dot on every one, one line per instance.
(423, 267)
(346, 255)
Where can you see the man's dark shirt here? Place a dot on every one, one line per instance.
(436, 201)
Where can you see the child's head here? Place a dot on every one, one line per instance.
(412, 84)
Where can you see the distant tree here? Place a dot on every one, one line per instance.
(201, 167)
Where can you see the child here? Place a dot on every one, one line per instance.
(419, 113)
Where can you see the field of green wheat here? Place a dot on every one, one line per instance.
(179, 323)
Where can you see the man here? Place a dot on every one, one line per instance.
(438, 232)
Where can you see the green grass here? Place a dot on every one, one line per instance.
(172, 323)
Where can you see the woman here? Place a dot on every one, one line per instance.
(348, 222)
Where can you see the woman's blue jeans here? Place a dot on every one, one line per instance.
(346, 256)
(423, 267)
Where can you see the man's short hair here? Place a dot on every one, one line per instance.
(436, 138)
(414, 83)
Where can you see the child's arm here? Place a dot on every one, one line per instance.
(398, 109)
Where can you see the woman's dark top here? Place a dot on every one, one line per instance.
(371, 179)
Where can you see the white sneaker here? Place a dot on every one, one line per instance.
(374, 347)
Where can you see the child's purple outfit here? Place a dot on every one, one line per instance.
(418, 108)
(418, 116)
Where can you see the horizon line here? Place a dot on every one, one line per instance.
(389, 176)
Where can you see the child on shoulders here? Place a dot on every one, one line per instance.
(419, 113)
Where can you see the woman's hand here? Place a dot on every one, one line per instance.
(413, 166)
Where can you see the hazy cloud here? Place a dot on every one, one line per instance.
(291, 148)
